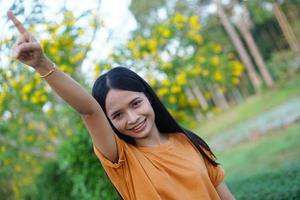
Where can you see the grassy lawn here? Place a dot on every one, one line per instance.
(269, 153)
(265, 167)
(252, 107)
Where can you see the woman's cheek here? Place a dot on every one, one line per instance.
(120, 125)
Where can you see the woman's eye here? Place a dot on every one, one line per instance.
(117, 116)
(137, 103)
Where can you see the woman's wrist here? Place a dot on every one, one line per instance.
(44, 67)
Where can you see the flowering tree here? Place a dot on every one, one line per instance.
(33, 121)
(188, 73)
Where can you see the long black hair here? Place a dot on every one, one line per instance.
(124, 79)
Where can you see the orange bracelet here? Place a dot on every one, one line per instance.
(50, 72)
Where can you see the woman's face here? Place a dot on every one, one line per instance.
(130, 112)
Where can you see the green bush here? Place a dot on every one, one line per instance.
(278, 185)
(283, 64)
(77, 174)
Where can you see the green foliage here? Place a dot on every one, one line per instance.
(282, 184)
(284, 64)
(33, 121)
(76, 174)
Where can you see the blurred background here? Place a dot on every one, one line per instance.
(228, 70)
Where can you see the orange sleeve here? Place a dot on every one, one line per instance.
(106, 162)
(216, 173)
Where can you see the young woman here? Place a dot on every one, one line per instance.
(144, 151)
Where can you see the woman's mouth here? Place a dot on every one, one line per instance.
(140, 127)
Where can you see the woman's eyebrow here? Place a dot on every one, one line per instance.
(133, 100)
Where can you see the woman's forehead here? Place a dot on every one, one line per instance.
(116, 99)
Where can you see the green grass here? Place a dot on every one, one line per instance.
(252, 107)
(267, 167)
(269, 153)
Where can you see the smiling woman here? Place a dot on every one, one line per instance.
(145, 152)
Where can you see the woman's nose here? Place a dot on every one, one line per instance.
(132, 117)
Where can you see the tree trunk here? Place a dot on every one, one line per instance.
(202, 101)
(218, 98)
(191, 96)
(244, 24)
(254, 78)
(286, 28)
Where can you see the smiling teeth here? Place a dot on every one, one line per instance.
(139, 126)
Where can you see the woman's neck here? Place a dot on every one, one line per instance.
(153, 139)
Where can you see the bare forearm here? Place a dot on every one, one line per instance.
(67, 88)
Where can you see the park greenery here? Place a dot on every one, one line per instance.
(208, 80)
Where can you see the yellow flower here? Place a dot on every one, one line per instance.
(194, 22)
(77, 57)
(194, 103)
(152, 44)
(183, 101)
(26, 89)
(179, 20)
(167, 66)
(162, 92)
(24, 97)
(44, 43)
(181, 79)
(52, 133)
(34, 99)
(175, 89)
(43, 98)
(165, 82)
(205, 72)
(217, 48)
(2, 96)
(200, 59)
(216, 110)
(29, 138)
(2, 149)
(215, 60)
(69, 132)
(64, 68)
(81, 32)
(7, 161)
(136, 54)
(166, 33)
(195, 71)
(207, 95)
(218, 76)
(18, 168)
(198, 39)
(69, 14)
(53, 50)
(222, 89)
(152, 82)
(31, 125)
(235, 81)
(131, 44)
(143, 42)
(172, 99)
(237, 68)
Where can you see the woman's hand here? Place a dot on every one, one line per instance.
(27, 49)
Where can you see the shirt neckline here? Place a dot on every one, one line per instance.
(162, 147)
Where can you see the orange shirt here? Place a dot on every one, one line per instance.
(172, 171)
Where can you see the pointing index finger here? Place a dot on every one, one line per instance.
(17, 23)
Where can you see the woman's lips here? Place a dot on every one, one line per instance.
(140, 127)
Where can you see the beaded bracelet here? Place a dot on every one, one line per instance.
(50, 72)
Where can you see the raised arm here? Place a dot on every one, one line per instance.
(29, 51)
